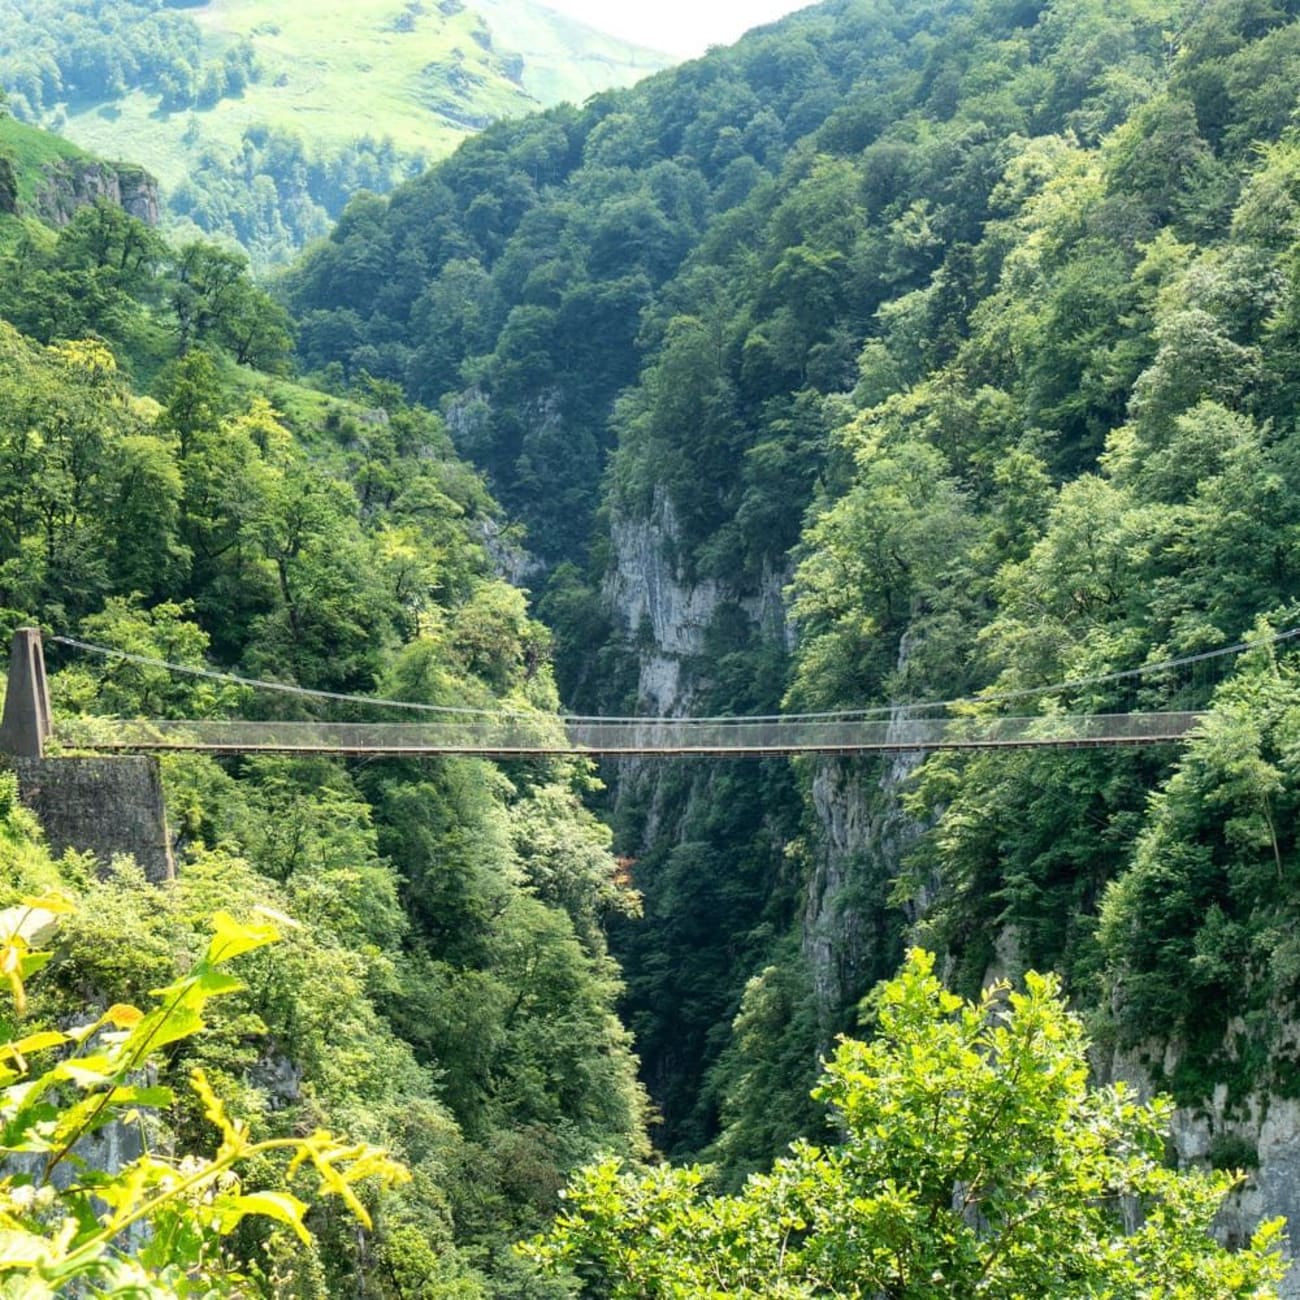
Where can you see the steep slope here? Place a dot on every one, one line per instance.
(317, 100)
(1002, 297)
(49, 178)
(446, 990)
(32, 155)
(514, 281)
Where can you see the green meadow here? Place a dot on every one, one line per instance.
(423, 73)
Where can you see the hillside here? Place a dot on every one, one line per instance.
(34, 154)
(222, 99)
(47, 179)
(170, 490)
(890, 357)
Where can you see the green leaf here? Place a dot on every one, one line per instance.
(31, 962)
(155, 1096)
(158, 1029)
(233, 1133)
(34, 1043)
(232, 939)
(21, 1249)
(283, 1207)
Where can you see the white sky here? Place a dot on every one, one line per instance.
(684, 27)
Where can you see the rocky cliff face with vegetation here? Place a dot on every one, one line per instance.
(66, 187)
(885, 357)
(978, 320)
(50, 179)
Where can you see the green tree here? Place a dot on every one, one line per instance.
(975, 1161)
(213, 299)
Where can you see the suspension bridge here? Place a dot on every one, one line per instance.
(523, 738)
(28, 728)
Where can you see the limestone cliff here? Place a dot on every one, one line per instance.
(1258, 1134)
(70, 184)
(668, 616)
(850, 938)
(859, 830)
(665, 616)
(710, 844)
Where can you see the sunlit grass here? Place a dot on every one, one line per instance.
(425, 72)
(32, 151)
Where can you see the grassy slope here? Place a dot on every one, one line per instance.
(345, 69)
(302, 409)
(32, 151)
(565, 59)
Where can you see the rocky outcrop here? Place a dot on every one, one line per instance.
(70, 185)
(510, 560)
(667, 616)
(1258, 1134)
(664, 616)
(862, 836)
(139, 194)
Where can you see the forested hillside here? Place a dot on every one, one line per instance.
(891, 355)
(261, 119)
(446, 991)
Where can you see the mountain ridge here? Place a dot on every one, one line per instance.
(350, 95)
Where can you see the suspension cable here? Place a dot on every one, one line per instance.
(998, 697)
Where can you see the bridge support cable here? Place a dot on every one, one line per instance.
(988, 697)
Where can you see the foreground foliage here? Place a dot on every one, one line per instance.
(975, 1161)
(155, 1225)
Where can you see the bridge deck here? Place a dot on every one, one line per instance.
(541, 736)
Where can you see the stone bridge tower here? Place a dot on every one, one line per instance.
(106, 806)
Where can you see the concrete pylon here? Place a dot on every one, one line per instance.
(27, 723)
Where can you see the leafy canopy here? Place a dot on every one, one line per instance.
(975, 1161)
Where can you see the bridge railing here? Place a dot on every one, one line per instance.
(523, 735)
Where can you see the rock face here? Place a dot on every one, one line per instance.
(862, 836)
(1269, 1127)
(70, 186)
(110, 1149)
(1258, 1134)
(511, 561)
(664, 616)
(667, 616)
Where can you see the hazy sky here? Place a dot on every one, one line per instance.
(683, 27)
